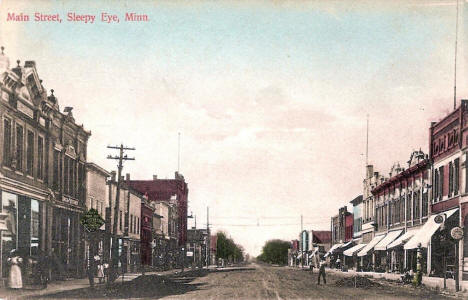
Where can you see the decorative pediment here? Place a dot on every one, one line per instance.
(70, 151)
(416, 157)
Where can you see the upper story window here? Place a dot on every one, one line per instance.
(40, 157)
(19, 147)
(30, 153)
(7, 142)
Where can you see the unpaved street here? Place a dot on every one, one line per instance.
(266, 282)
(249, 282)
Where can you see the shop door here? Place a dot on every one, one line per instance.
(24, 225)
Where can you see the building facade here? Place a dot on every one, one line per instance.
(43, 187)
(174, 192)
(97, 198)
(402, 207)
(448, 151)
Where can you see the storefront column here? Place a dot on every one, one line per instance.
(405, 264)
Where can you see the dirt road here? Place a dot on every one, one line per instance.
(249, 282)
(266, 282)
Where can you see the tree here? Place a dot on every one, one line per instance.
(275, 252)
(226, 248)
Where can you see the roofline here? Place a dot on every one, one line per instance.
(98, 168)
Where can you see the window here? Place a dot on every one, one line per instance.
(7, 142)
(138, 225)
(120, 220)
(66, 175)
(131, 224)
(56, 170)
(450, 179)
(441, 182)
(408, 207)
(416, 205)
(30, 153)
(456, 177)
(425, 205)
(40, 157)
(91, 202)
(435, 192)
(19, 147)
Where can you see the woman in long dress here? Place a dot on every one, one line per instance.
(15, 280)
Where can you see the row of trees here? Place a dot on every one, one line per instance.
(275, 252)
(227, 249)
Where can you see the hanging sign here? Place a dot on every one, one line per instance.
(92, 220)
(456, 233)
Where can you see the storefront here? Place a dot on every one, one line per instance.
(24, 227)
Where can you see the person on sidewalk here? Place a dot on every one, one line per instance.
(15, 280)
(100, 272)
(322, 272)
(91, 271)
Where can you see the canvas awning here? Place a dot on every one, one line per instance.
(333, 248)
(371, 245)
(402, 239)
(313, 253)
(345, 246)
(352, 250)
(423, 236)
(390, 237)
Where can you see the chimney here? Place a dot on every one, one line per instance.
(127, 177)
(113, 175)
(155, 177)
(369, 170)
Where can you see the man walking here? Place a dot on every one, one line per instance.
(322, 272)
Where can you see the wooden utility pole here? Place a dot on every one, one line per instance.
(121, 157)
(208, 241)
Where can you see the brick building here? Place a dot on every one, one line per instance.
(175, 192)
(402, 207)
(43, 154)
(448, 151)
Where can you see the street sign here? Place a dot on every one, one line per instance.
(456, 233)
(439, 219)
(189, 253)
(92, 220)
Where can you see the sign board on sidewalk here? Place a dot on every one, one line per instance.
(189, 253)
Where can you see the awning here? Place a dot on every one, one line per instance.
(371, 245)
(333, 248)
(390, 237)
(313, 253)
(402, 239)
(345, 246)
(352, 250)
(424, 234)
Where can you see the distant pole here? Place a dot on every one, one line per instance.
(178, 155)
(120, 158)
(455, 67)
(302, 245)
(367, 142)
(208, 246)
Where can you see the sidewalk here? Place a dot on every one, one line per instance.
(60, 286)
(432, 282)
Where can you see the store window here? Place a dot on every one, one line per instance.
(23, 227)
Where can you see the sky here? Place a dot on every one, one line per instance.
(270, 97)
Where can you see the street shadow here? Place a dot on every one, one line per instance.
(145, 286)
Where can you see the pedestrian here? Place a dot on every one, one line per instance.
(15, 280)
(100, 271)
(91, 271)
(338, 263)
(322, 272)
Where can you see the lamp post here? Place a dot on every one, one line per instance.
(418, 278)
